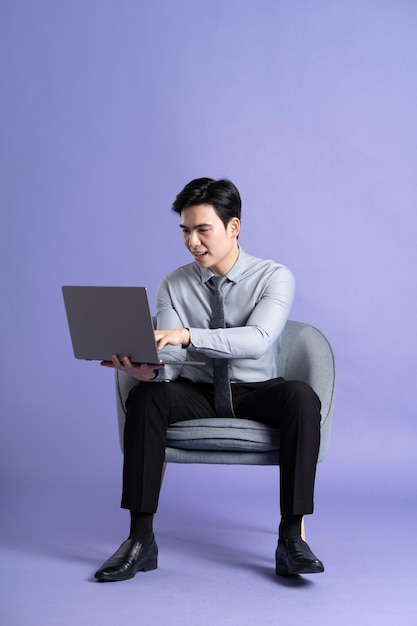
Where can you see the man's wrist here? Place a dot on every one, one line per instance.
(187, 338)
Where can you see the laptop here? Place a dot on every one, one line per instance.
(112, 320)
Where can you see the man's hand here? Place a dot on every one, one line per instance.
(172, 337)
(140, 371)
(147, 371)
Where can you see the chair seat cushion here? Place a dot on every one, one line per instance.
(223, 433)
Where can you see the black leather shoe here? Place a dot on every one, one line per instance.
(293, 556)
(130, 558)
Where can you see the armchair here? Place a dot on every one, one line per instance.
(305, 355)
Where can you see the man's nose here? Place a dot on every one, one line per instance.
(194, 239)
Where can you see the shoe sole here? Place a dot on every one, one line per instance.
(146, 567)
(283, 570)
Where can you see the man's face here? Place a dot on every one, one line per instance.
(211, 244)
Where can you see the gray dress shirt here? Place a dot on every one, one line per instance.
(257, 300)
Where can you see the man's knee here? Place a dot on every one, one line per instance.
(303, 392)
(146, 399)
(303, 400)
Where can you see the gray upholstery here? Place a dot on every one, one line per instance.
(305, 355)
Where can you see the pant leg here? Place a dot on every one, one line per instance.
(294, 408)
(151, 407)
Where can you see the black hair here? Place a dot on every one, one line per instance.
(222, 194)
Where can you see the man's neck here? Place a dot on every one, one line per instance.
(227, 265)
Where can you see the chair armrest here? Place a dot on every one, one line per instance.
(306, 355)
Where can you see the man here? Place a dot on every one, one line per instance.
(257, 296)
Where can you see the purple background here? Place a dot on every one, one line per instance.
(107, 109)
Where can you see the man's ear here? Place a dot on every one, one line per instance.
(234, 227)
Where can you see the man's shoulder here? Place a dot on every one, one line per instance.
(187, 272)
(253, 264)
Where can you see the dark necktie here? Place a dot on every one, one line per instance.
(222, 391)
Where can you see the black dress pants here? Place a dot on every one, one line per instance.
(291, 406)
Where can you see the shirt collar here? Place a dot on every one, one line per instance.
(235, 272)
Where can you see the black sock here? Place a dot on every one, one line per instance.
(290, 526)
(141, 527)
